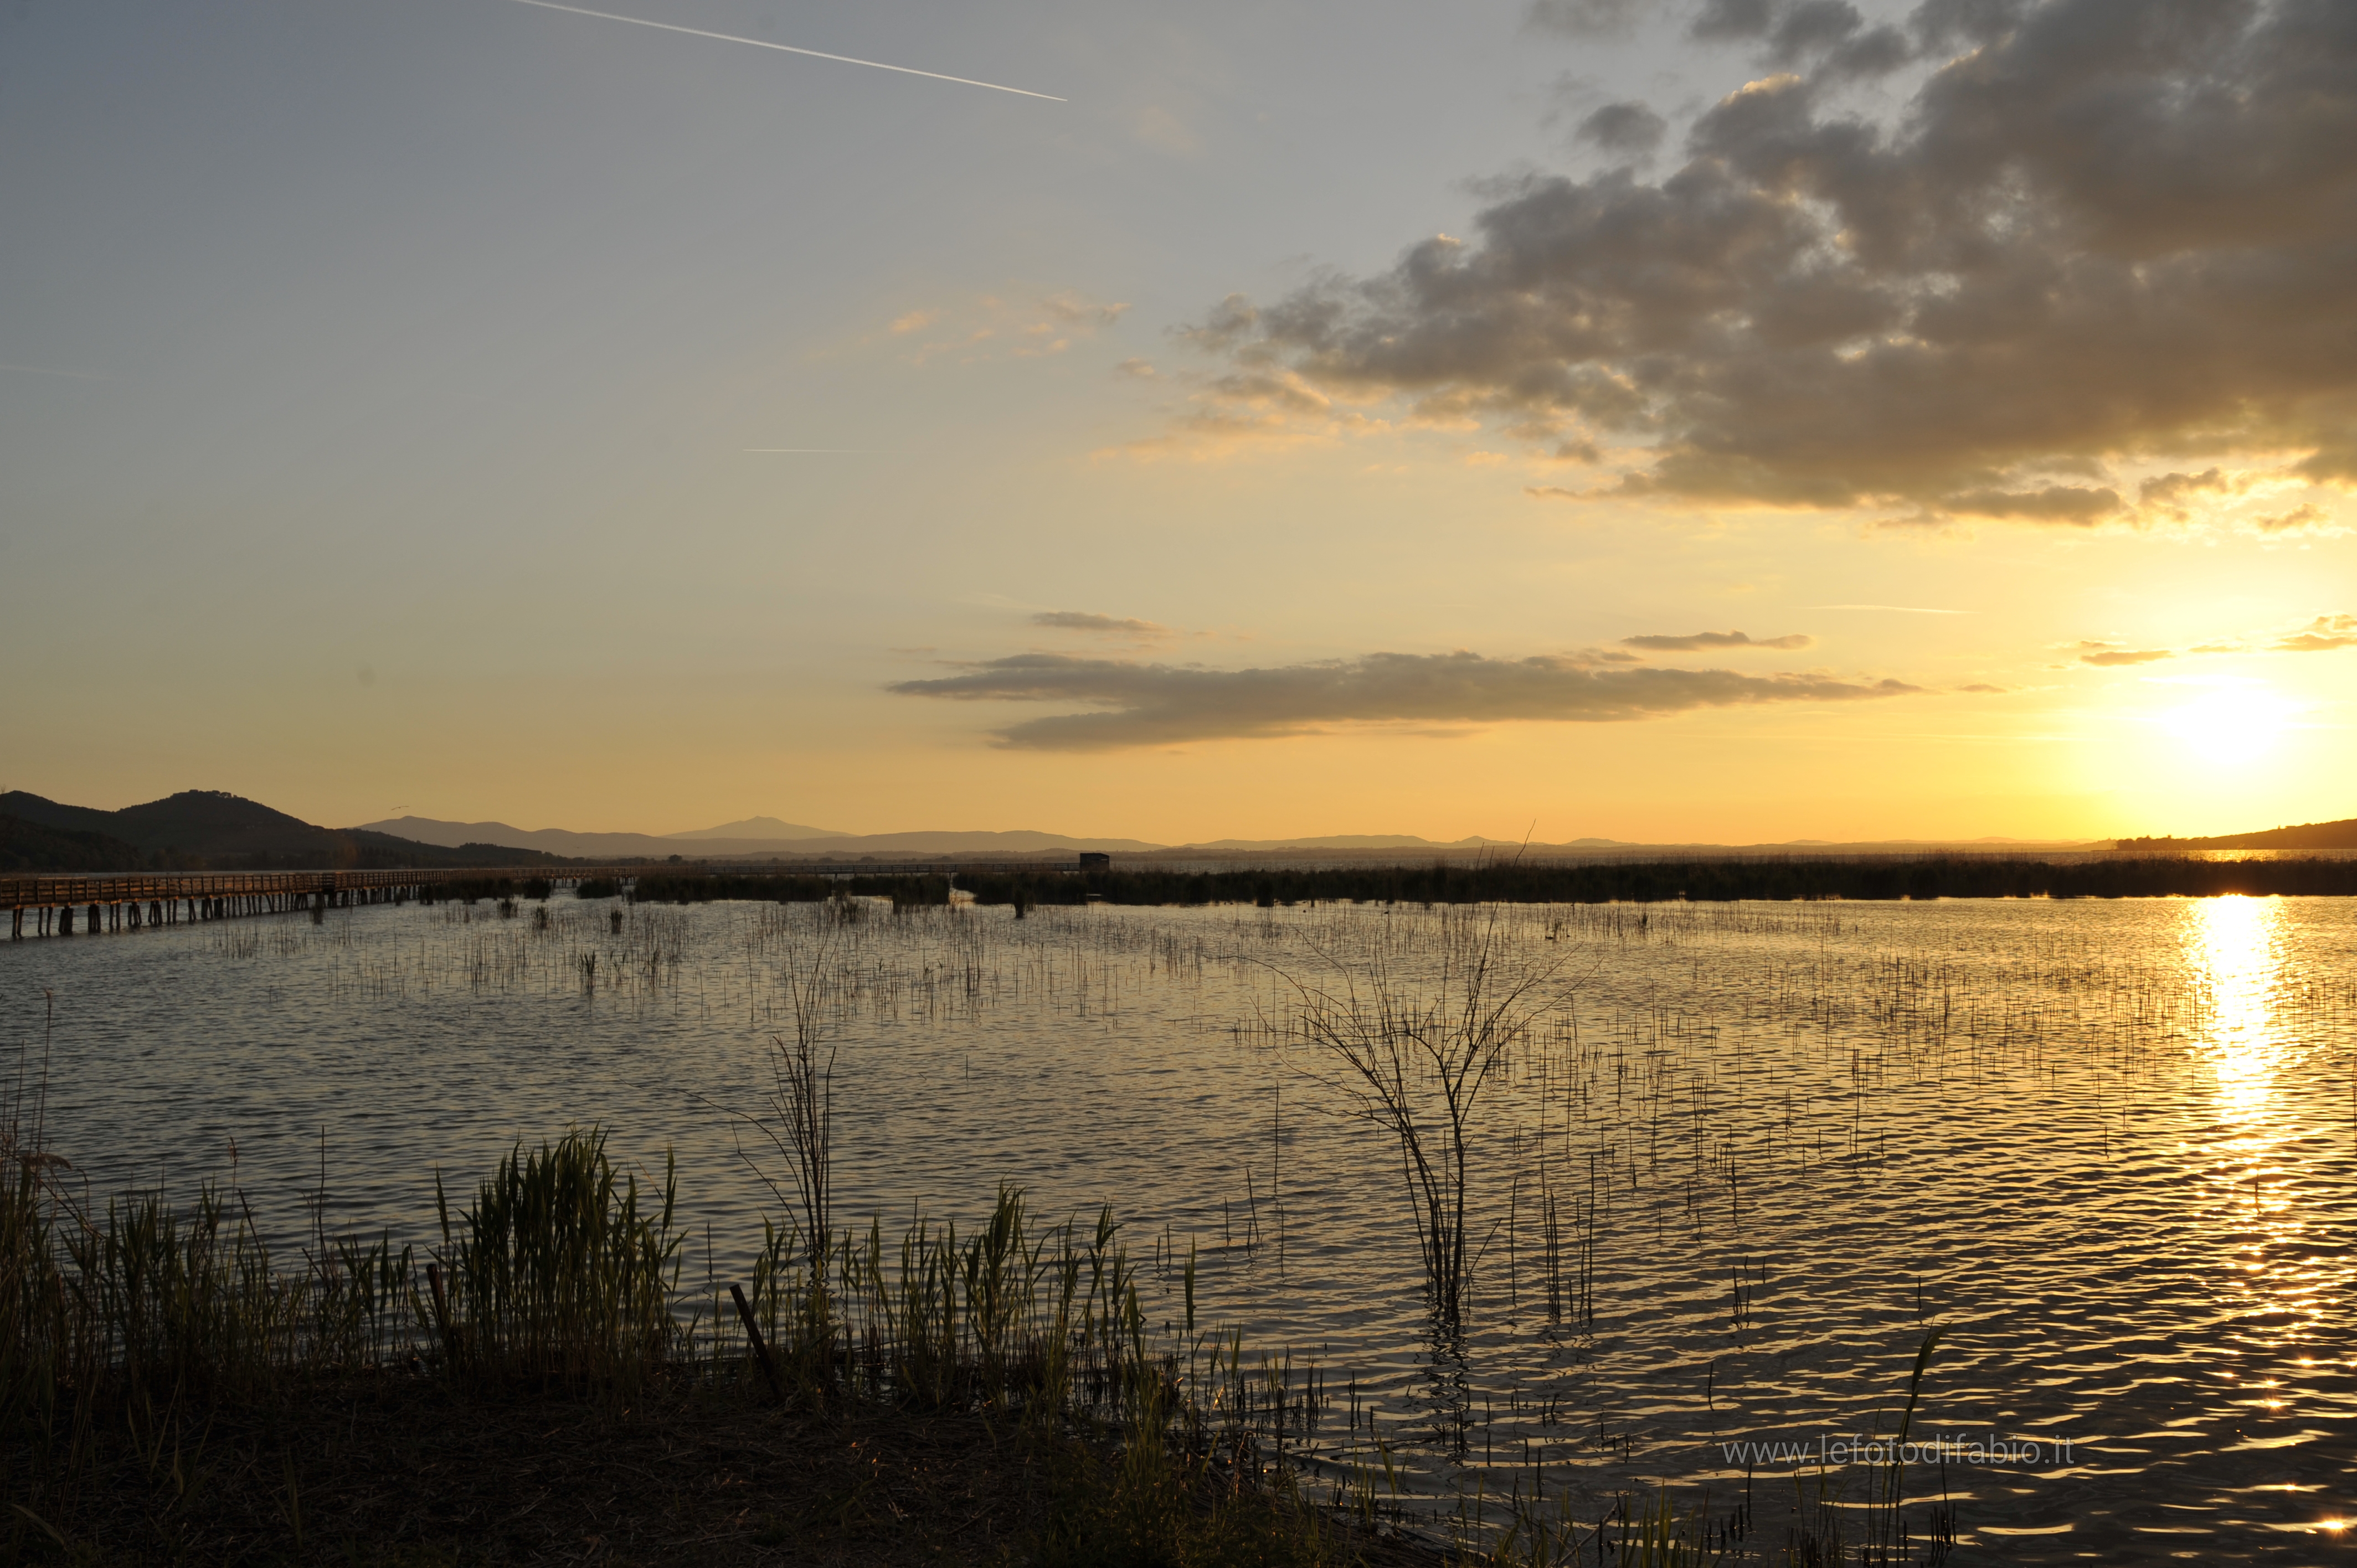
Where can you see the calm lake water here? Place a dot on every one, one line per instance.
(2109, 1148)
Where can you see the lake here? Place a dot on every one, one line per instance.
(1732, 1166)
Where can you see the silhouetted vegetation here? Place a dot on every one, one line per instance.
(698, 887)
(1607, 882)
(172, 1389)
(1644, 882)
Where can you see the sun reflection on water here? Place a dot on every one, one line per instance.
(2234, 945)
(2236, 950)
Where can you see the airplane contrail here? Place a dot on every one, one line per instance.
(789, 48)
(840, 451)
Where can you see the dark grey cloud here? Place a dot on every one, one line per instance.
(1627, 128)
(1734, 19)
(1590, 18)
(1830, 34)
(2074, 504)
(1813, 27)
(1082, 621)
(2100, 232)
(1139, 703)
(1694, 642)
(1943, 24)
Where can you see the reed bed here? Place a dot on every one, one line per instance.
(561, 1277)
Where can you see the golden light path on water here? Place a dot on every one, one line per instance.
(2235, 944)
(2276, 1248)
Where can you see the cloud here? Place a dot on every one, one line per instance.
(2055, 503)
(1627, 128)
(2096, 232)
(1078, 312)
(1981, 686)
(1720, 19)
(1695, 641)
(2172, 495)
(1589, 18)
(2303, 518)
(1163, 705)
(2180, 497)
(1081, 620)
(988, 325)
(2106, 655)
(2321, 635)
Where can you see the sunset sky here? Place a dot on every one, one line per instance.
(1313, 419)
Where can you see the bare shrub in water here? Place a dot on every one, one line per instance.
(1412, 1059)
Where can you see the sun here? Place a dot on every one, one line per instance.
(2226, 726)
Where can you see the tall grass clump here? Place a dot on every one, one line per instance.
(190, 1300)
(556, 1274)
(800, 1096)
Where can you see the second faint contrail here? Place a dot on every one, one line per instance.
(787, 48)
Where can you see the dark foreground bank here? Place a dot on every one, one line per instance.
(540, 1387)
(405, 1470)
(1510, 882)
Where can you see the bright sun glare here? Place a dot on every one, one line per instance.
(2231, 725)
(2236, 943)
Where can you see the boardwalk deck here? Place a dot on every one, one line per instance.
(134, 900)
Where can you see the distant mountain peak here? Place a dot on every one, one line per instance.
(760, 828)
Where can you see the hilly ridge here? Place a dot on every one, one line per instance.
(2342, 834)
(210, 830)
(721, 843)
(215, 830)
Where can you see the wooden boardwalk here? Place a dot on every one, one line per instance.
(57, 905)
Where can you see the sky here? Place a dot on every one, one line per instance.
(1716, 419)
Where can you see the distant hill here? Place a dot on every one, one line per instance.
(1018, 840)
(211, 830)
(1354, 840)
(760, 828)
(542, 840)
(709, 841)
(34, 846)
(2308, 835)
